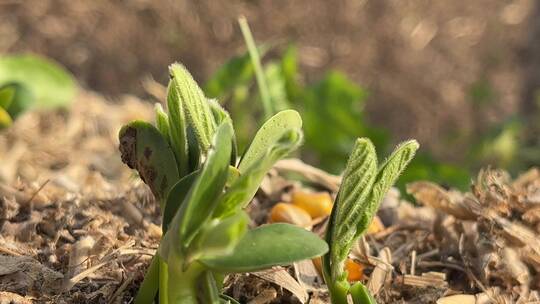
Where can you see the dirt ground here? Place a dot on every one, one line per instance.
(420, 60)
(76, 226)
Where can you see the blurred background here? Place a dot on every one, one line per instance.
(462, 77)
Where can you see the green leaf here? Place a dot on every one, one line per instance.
(220, 116)
(5, 119)
(149, 287)
(6, 96)
(352, 202)
(360, 294)
(203, 195)
(244, 188)
(162, 121)
(267, 246)
(387, 176)
(51, 84)
(208, 292)
(21, 100)
(144, 149)
(219, 237)
(176, 197)
(178, 128)
(271, 131)
(195, 105)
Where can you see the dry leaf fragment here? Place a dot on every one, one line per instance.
(382, 272)
(432, 195)
(281, 277)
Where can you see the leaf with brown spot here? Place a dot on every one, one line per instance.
(144, 149)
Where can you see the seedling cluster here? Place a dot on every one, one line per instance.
(190, 162)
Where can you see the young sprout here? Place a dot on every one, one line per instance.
(363, 187)
(189, 162)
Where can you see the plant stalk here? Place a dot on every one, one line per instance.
(257, 66)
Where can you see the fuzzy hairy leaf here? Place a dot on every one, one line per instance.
(203, 195)
(387, 176)
(268, 246)
(362, 189)
(144, 149)
(178, 126)
(270, 132)
(162, 121)
(196, 107)
(244, 188)
(352, 202)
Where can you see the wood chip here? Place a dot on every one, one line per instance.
(428, 279)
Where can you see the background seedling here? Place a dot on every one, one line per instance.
(363, 187)
(189, 162)
(28, 81)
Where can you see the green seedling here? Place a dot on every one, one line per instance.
(28, 81)
(363, 187)
(189, 161)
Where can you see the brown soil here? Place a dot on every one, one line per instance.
(419, 59)
(77, 226)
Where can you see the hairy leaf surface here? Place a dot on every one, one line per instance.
(195, 105)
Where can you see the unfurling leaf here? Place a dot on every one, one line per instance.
(267, 246)
(178, 129)
(144, 149)
(352, 202)
(194, 103)
(387, 176)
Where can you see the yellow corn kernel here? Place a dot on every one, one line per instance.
(375, 226)
(287, 213)
(355, 271)
(317, 204)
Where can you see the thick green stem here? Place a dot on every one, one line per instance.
(182, 285)
(163, 282)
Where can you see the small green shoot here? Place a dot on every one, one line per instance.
(363, 186)
(189, 162)
(259, 72)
